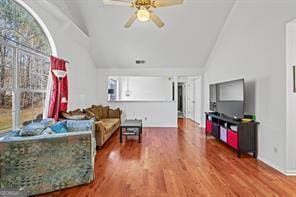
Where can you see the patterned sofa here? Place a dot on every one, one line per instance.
(46, 163)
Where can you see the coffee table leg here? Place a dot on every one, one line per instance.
(120, 137)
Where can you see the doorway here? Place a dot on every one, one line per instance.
(189, 98)
(181, 99)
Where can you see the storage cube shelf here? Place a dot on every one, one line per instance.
(244, 140)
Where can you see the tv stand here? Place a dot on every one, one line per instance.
(243, 139)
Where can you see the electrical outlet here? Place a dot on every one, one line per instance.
(275, 150)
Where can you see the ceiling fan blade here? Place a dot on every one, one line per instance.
(118, 2)
(165, 3)
(156, 20)
(131, 20)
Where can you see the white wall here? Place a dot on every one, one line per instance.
(291, 98)
(252, 45)
(72, 45)
(153, 114)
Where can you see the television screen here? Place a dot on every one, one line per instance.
(229, 98)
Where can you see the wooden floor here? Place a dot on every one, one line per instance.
(179, 162)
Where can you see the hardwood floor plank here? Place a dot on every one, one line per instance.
(179, 162)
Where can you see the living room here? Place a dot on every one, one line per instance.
(91, 91)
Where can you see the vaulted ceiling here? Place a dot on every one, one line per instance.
(187, 39)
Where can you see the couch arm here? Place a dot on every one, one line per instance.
(100, 130)
(82, 126)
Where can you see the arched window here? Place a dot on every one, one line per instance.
(24, 66)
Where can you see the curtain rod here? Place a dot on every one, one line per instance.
(23, 45)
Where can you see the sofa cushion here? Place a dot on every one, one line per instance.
(98, 111)
(114, 113)
(96, 106)
(47, 122)
(70, 116)
(47, 131)
(109, 127)
(105, 111)
(32, 129)
(113, 120)
(89, 114)
(110, 123)
(60, 127)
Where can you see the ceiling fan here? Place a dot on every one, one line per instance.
(143, 9)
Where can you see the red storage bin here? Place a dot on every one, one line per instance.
(232, 139)
(209, 126)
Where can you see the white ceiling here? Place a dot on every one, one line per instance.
(186, 40)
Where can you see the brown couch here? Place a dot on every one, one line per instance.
(107, 122)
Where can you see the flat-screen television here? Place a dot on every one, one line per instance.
(228, 98)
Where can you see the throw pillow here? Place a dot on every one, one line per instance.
(32, 129)
(75, 112)
(114, 113)
(105, 112)
(89, 114)
(73, 116)
(60, 127)
(96, 106)
(98, 111)
(47, 122)
(47, 131)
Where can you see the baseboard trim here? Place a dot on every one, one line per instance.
(160, 126)
(276, 167)
(271, 164)
(290, 173)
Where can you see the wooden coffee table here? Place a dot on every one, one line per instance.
(131, 128)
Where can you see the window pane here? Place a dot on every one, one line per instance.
(38, 102)
(6, 68)
(36, 73)
(45, 73)
(26, 108)
(19, 25)
(31, 106)
(20, 28)
(5, 110)
(35, 81)
(44, 82)
(24, 70)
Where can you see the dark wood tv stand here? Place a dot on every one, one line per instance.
(244, 140)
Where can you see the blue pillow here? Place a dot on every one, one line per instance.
(32, 129)
(47, 122)
(48, 131)
(60, 127)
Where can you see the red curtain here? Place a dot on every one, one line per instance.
(54, 109)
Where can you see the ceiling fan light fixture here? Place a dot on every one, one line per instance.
(143, 15)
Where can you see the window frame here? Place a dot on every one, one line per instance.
(15, 89)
